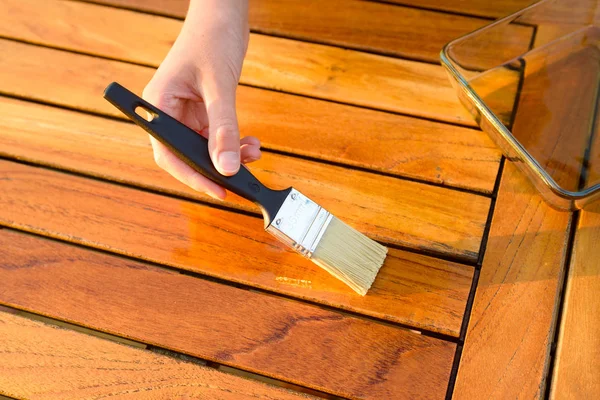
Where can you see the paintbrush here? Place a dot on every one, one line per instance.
(290, 216)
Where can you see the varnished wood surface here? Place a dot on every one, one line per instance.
(490, 9)
(487, 9)
(507, 346)
(578, 352)
(418, 215)
(393, 144)
(287, 65)
(39, 361)
(410, 289)
(253, 331)
(363, 25)
(506, 353)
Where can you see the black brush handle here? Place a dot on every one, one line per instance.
(192, 148)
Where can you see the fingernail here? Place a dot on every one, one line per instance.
(250, 159)
(229, 161)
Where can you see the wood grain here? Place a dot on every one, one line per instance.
(264, 334)
(44, 362)
(507, 346)
(449, 222)
(578, 352)
(491, 9)
(315, 70)
(384, 142)
(370, 26)
(411, 289)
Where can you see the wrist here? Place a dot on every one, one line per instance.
(220, 14)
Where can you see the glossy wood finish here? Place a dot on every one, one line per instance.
(578, 352)
(384, 142)
(490, 9)
(278, 330)
(507, 346)
(344, 192)
(411, 289)
(321, 71)
(45, 362)
(265, 334)
(363, 25)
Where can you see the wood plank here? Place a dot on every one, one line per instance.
(512, 322)
(363, 25)
(384, 142)
(491, 9)
(264, 334)
(411, 289)
(417, 215)
(44, 362)
(320, 71)
(577, 360)
(578, 352)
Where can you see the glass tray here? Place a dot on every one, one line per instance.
(536, 94)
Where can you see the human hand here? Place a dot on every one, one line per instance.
(196, 85)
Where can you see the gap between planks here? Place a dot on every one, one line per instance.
(268, 150)
(441, 219)
(81, 366)
(277, 327)
(464, 159)
(362, 312)
(377, 33)
(242, 286)
(471, 298)
(165, 352)
(271, 62)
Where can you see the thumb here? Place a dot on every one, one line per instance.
(223, 131)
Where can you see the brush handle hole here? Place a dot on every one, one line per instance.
(145, 113)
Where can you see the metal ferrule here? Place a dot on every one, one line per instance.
(300, 223)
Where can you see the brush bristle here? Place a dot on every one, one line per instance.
(349, 255)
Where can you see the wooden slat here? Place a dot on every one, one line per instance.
(411, 289)
(514, 312)
(44, 362)
(578, 353)
(371, 26)
(417, 215)
(264, 334)
(483, 8)
(577, 362)
(507, 346)
(390, 143)
(293, 66)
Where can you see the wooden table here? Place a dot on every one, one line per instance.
(160, 292)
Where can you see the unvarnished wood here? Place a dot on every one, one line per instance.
(265, 334)
(320, 71)
(44, 362)
(411, 289)
(507, 346)
(416, 215)
(578, 353)
(484, 8)
(371, 26)
(369, 139)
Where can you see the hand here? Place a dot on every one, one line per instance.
(196, 85)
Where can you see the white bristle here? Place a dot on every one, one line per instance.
(349, 255)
